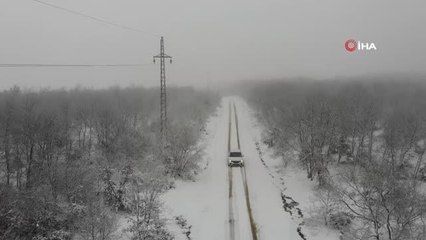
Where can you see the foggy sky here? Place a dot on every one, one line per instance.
(212, 42)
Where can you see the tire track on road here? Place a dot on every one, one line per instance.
(247, 195)
(231, 208)
(231, 219)
(253, 226)
(236, 126)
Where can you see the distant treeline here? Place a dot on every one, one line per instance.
(70, 158)
(372, 133)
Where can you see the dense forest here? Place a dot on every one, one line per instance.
(363, 142)
(73, 161)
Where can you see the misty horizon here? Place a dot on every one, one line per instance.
(212, 42)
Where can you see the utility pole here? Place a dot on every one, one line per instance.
(163, 114)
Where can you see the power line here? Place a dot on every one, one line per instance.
(33, 65)
(92, 18)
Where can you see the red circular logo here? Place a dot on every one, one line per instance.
(351, 45)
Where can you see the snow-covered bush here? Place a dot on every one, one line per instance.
(144, 203)
(182, 153)
(26, 215)
(325, 204)
(98, 221)
(340, 220)
(183, 224)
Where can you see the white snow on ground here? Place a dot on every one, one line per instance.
(290, 179)
(240, 214)
(205, 203)
(273, 222)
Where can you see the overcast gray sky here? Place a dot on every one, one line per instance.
(212, 41)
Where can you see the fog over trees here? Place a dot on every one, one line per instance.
(88, 164)
(363, 142)
(71, 161)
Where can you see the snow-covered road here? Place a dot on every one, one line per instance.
(207, 203)
(241, 221)
(271, 220)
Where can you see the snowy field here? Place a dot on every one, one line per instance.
(217, 211)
